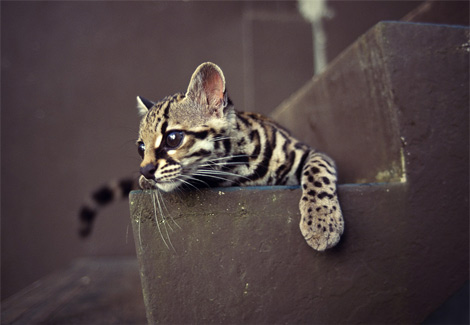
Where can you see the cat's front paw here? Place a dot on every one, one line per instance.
(321, 223)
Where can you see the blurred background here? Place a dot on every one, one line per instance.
(70, 75)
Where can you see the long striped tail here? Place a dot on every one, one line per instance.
(103, 196)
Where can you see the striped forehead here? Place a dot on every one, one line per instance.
(156, 124)
(157, 113)
(161, 109)
(156, 120)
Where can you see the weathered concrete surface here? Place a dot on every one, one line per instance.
(398, 81)
(239, 257)
(393, 107)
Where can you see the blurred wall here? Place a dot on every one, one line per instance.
(70, 74)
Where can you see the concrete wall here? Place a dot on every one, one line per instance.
(70, 74)
(236, 255)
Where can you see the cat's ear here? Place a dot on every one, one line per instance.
(143, 105)
(207, 88)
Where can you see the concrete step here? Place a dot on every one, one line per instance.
(387, 93)
(393, 112)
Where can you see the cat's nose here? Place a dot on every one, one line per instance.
(148, 171)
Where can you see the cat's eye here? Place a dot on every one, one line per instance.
(173, 139)
(141, 148)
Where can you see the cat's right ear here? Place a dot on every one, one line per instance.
(143, 105)
(207, 88)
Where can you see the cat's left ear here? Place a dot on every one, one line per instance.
(207, 88)
(143, 105)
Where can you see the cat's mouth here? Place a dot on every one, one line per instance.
(160, 184)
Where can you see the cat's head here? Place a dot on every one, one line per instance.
(182, 133)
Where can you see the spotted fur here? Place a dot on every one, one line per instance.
(198, 139)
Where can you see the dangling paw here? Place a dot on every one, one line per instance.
(321, 223)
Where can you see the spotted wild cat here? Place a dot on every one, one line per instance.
(198, 139)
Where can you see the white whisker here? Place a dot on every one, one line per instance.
(213, 164)
(220, 172)
(213, 176)
(229, 157)
(220, 138)
(140, 237)
(159, 198)
(156, 193)
(194, 179)
(180, 178)
(156, 219)
(171, 217)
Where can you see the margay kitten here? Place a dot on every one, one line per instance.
(198, 139)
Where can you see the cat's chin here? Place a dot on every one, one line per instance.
(168, 187)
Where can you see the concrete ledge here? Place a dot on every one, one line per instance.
(239, 257)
